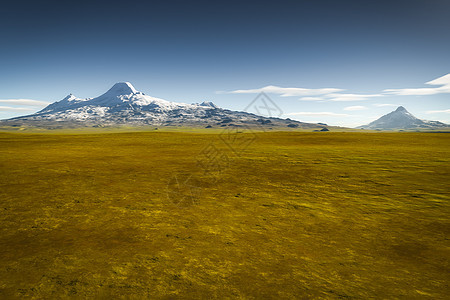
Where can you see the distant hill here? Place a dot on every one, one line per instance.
(402, 119)
(124, 105)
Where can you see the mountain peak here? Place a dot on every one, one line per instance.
(121, 88)
(70, 97)
(401, 119)
(208, 104)
(401, 109)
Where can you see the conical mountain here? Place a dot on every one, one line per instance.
(401, 119)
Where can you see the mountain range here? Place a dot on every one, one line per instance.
(122, 104)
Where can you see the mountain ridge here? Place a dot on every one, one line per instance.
(122, 104)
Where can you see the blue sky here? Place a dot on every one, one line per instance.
(203, 50)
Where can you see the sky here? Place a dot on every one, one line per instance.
(337, 62)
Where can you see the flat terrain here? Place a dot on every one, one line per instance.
(277, 215)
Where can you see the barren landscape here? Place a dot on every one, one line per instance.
(260, 215)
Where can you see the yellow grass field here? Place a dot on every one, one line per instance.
(172, 215)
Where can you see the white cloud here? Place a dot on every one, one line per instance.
(7, 108)
(312, 99)
(326, 94)
(309, 113)
(444, 88)
(27, 102)
(445, 111)
(341, 97)
(334, 94)
(444, 80)
(287, 92)
(385, 104)
(351, 97)
(416, 92)
(356, 107)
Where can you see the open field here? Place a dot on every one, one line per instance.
(277, 215)
(184, 129)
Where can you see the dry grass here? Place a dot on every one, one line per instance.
(293, 215)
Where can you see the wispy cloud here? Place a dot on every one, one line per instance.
(310, 113)
(26, 102)
(351, 97)
(445, 111)
(335, 94)
(287, 92)
(356, 107)
(7, 108)
(385, 104)
(324, 94)
(312, 99)
(443, 82)
(341, 97)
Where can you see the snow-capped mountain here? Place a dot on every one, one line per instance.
(124, 105)
(401, 119)
(120, 100)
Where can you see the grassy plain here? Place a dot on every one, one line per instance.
(277, 215)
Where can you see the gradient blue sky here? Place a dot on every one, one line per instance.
(191, 51)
